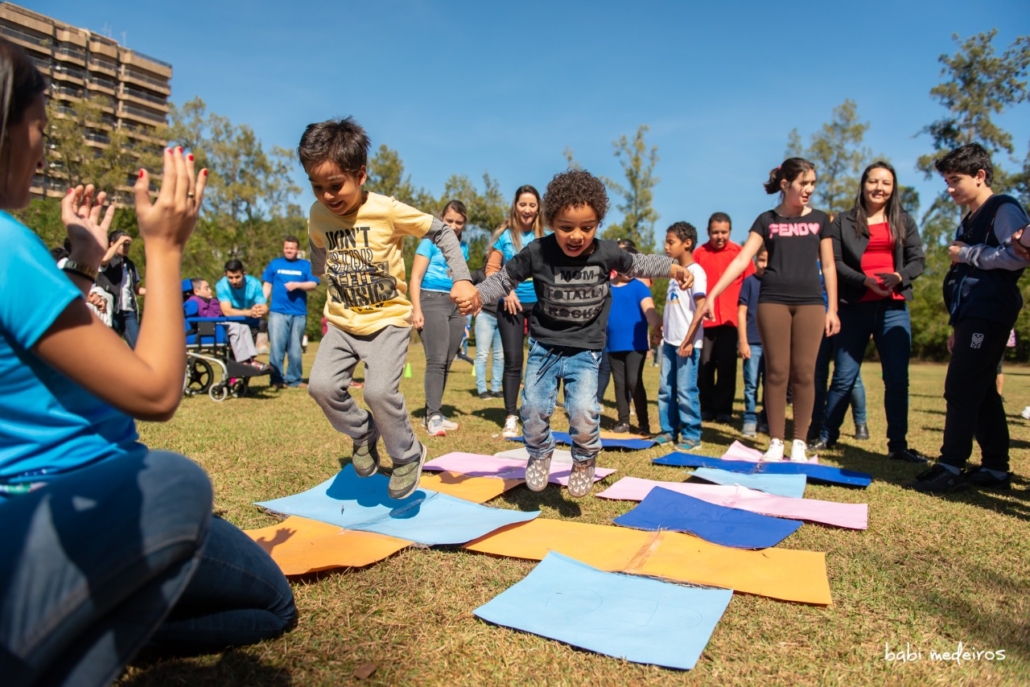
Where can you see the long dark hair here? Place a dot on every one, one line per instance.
(513, 222)
(20, 84)
(791, 169)
(892, 211)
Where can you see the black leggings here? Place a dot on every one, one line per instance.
(627, 368)
(512, 329)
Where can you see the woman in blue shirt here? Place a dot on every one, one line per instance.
(524, 224)
(436, 317)
(106, 544)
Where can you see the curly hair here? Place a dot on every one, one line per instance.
(574, 188)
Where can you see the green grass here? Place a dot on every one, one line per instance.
(929, 572)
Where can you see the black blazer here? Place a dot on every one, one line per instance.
(849, 246)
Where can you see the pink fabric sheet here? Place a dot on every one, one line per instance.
(476, 465)
(738, 451)
(853, 516)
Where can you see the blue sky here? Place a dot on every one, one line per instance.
(468, 87)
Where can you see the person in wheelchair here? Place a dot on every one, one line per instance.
(241, 339)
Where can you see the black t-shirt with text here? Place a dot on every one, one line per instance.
(792, 276)
(573, 295)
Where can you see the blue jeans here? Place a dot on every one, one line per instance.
(93, 561)
(488, 343)
(126, 323)
(822, 378)
(576, 368)
(285, 335)
(679, 405)
(753, 371)
(889, 324)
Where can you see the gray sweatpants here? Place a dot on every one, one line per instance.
(441, 337)
(383, 353)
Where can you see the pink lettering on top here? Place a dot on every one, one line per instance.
(785, 229)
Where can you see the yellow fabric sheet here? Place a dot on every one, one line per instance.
(475, 489)
(784, 574)
(300, 546)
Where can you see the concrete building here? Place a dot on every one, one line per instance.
(133, 87)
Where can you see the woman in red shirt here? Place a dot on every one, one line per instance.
(878, 252)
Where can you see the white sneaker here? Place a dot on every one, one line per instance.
(435, 426)
(774, 452)
(798, 452)
(511, 427)
(1026, 413)
(448, 425)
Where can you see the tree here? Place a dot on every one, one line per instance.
(639, 216)
(838, 157)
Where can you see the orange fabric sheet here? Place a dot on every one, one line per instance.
(475, 489)
(300, 546)
(784, 574)
(625, 435)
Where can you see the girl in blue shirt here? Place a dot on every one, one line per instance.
(523, 225)
(106, 544)
(436, 317)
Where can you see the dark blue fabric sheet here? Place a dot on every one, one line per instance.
(814, 472)
(631, 444)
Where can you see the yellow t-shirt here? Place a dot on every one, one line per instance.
(364, 269)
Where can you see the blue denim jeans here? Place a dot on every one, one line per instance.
(488, 344)
(576, 368)
(285, 335)
(679, 405)
(753, 372)
(857, 398)
(126, 323)
(93, 561)
(889, 324)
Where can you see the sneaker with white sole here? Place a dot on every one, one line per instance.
(435, 426)
(405, 478)
(1026, 413)
(774, 452)
(511, 427)
(449, 425)
(798, 452)
(581, 480)
(538, 472)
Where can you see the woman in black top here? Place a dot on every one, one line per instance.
(878, 253)
(791, 314)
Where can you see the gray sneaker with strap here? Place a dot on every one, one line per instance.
(581, 481)
(365, 457)
(538, 472)
(405, 478)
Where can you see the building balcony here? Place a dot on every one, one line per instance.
(141, 79)
(97, 138)
(27, 39)
(141, 114)
(41, 63)
(102, 85)
(65, 92)
(69, 53)
(143, 97)
(75, 76)
(99, 64)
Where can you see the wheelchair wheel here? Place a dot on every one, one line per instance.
(219, 392)
(199, 376)
(238, 387)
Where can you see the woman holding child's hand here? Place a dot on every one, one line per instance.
(107, 544)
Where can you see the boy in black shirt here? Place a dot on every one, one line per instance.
(570, 270)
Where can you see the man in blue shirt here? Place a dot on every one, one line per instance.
(287, 281)
(239, 294)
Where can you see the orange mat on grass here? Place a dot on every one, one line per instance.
(784, 574)
(625, 435)
(475, 489)
(300, 546)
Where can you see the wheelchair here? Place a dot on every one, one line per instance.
(208, 351)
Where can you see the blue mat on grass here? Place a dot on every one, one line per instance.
(814, 472)
(633, 618)
(426, 517)
(663, 509)
(781, 485)
(631, 444)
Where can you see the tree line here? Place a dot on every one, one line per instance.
(251, 202)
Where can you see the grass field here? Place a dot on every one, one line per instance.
(928, 573)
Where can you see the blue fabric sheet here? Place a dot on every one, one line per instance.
(631, 444)
(426, 517)
(781, 485)
(663, 509)
(814, 472)
(633, 618)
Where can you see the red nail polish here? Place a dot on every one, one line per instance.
(204, 172)
(169, 151)
(141, 174)
(71, 191)
(179, 149)
(190, 157)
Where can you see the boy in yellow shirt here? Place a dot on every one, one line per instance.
(356, 239)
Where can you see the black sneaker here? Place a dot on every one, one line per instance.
(980, 478)
(938, 480)
(485, 396)
(725, 418)
(909, 455)
(497, 394)
(821, 445)
(621, 428)
(862, 432)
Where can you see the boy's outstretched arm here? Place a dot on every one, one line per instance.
(658, 266)
(444, 239)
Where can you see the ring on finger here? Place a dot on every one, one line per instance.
(190, 194)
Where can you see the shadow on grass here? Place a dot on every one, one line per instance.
(554, 496)
(232, 668)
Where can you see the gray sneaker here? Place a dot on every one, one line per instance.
(365, 458)
(435, 426)
(404, 480)
(582, 478)
(538, 472)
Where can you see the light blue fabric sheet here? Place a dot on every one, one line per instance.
(781, 485)
(633, 618)
(426, 517)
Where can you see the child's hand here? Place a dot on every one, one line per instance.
(954, 250)
(682, 276)
(709, 313)
(832, 324)
(466, 296)
(656, 336)
(686, 349)
(745, 350)
(170, 220)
